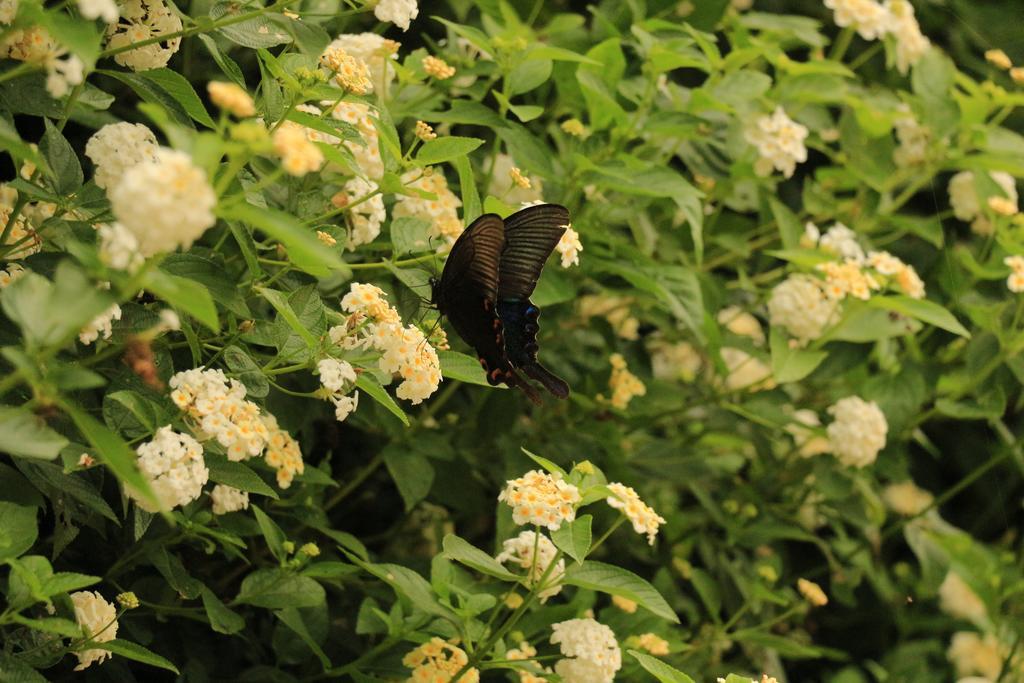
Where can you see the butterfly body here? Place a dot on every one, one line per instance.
(485, 289)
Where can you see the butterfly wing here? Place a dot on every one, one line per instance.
(466, 295)
(530, 237)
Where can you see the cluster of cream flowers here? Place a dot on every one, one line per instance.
(98, 620)
(142, 20)
(437, 661)
(375, 51)
(404, 350)
(1015, 281)
(119, 248)
(348, 72)
(165, 202)
(838, 240)
(624, 385)
(615, 309)
(745, 371)
(117, 147)
(779, 141)
(398, 12)
(520, 551)
(441, 213)
(812, 592)
(34, 44)
(367, 155)
(542, 499)
(674, 361)
(857, 432)
(972, 653)
(800, 305)
(850, 275)
(504, 183)
(523, 652)
(366, 217)
(651, 642)
(906, 498)
(174, 466)
(217, 408)
(23, 230)
(874, 21)
(569, 247)
(966, 205)
(339, 377)
(231, 98)
(590, 649)
(643, 517)
(99, 9)
(299, 155)
(227, 499)
(914, 139)
(804, 430)
(100, 326)
(12, 272)
(958, 599)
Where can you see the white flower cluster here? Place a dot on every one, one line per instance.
(972, 653)
(405, 351)
(217, 408)
(375, 51)
(98, 620)
(142, 20)
(624, 385)
(519, 550)
(542, 499)
(441, 213)
(100, 326)
(367, 155)
(746, 373)
(398, 12)
(591, 651)
(800, 305)
(838, 240)
(858, 431)
(227, 499)
(569, 247)
(12, 272)
(34, 44)
(22, 232)
(299, 155)
(283, 452)
(966, 205)
(615, 309)
(523, 652)
(504, 186)
(165, 202)
(367, 216)
(906, 498)
(779, 141)
(904, 275)
(678, 361)
(914, 140)
(119, 247)
(848, 276)
(174, 466)
(338, 377)
(99, 9)
(117, 147)
(8, 11)
(958, 599)
(643, 517)
(803, 429)
(437, 661)
(1015, 281)
(873, 21)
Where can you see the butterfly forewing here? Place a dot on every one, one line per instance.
(530, 236)
(474, 259)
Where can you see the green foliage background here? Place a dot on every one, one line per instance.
(223, 598)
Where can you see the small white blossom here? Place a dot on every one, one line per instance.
(591, 651)
(779, 141)
(842, 241)
(804, 430)
(100, 326)
(98, 620)
(368, 159)
(117, 147)
(119, 248)
(504, 186)
(911, 44)
(336, 375)
(966, 205)
(366, 217)
(99, 9)
(174, 465)
(906, 498)
(398, 12)
(643, 517)
(959, 600)
(345, 406)
(679, 361)
(858, 431)
(569, 247)
(519, 551)
(542, 499)
(441, 213)
(869, 18)
(141, 20)
(972, 653)
(166, 203)
(216, 408)
(228, 499)
(377, 52)
(8, 11)
(799, 304)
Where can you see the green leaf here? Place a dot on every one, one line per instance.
(136, 652)
(262, 30)
(280, 588)
(467, 185)
(659, 669)
(245, 368)
(459, 366)
(18, 529)
(237, 474)
(186, 295)
(446, 148)
(460, 550)
(62, 627)
(79, 36)
(178, 87)
(174, 572)
(529, 74)
(227, 65)
(608, 578)
(272, 533)
(546, 464)
(791, 364)
(304, 250)
(24, 434)
(574, 538)
(50, 313)
(149, 91)
(65, 582)
(410, 235)
(10, 141)
(409, 585)
(707, 589)
(292, 618)
(222, 619)
(66, 171)
(923, 310)
(789, 226)
(413, 474)
(113, 452)
(284, 308)
(377, 393)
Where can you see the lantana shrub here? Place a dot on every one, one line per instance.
(239, 445)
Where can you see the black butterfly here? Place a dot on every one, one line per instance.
(485, 290)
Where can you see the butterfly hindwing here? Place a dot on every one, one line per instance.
(519, 318)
